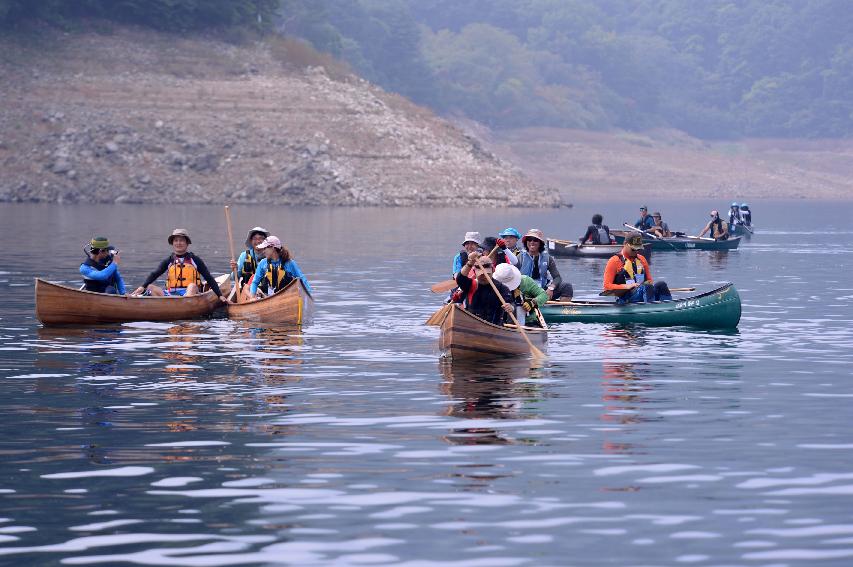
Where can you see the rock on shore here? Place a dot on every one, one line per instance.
(136, 116)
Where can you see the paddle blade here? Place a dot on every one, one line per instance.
(437, 318)
(443, 287)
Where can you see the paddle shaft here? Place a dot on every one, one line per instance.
(535, 351)
(231, 248)
(656, 237)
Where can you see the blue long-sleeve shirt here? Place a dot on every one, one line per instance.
(644, 223)
(90, 273)
(290, 267)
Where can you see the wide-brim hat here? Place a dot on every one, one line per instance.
(634, 242)
(508, 275)
(180, 232)
(534, 233)
(472, 236)
(510, 232)
(270, 242)
(253, 231)
(656, 214)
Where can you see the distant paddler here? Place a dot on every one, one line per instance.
(185, 272)
(276, 270)
(627, 275)
(597, 232)
(645, 222)
(248, 261)
(718, 228)
(660, 228)
(100, 269)
(527, 295)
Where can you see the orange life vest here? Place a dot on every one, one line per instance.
(181, 273)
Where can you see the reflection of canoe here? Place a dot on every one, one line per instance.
(717, 309)
(564, 249)
(62, 305)
(293, 305)
(682, 242)
(464, 335)
(741, 230)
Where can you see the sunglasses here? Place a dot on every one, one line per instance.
(485, 265)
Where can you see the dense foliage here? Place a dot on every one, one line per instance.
(715, 68)
(169, 15)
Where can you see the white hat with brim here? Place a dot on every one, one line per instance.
(180, 232)
(254, 231)
(472, 237)
(508, 275)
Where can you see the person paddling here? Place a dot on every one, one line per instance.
(276, 270)
(718, 228)
(185, 272)
(100, 269)
(471, 243)
(511, 237)
(251, 256)
(746, 214)
(645, 222)
(476, 293)
(498, 251)
(660, 228)
(597, 233)
(526, 293)
(627, 275)
(541, 266)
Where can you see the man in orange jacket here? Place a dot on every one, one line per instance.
(627, 275)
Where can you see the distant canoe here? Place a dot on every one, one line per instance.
(741, 230)
(681, 242)
(567, 249)
(293, 305)
(62, 305)
(717, 309)
(464, 335)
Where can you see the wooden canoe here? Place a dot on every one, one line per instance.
(716, 309)
(464, 335)
(681, 242)
(293, 305)
(568, 249)
(62, 305)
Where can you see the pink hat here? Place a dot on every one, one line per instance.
(271, 241)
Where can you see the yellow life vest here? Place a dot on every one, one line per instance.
(248, 268)
(277, 277)
(181, 273)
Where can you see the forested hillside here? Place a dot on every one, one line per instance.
(715, 68)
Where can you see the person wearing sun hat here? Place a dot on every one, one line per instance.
(627, 275)
(477, 295)
(251, 256)
(527, 295)
(471, 243)
(511, 237)
(185, 272)
(660, 228)
(718, 228)
(276, 270)
(100, 269)
(535, 262)
(746, 214)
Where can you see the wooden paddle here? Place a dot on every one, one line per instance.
(538, 354)
(654, 236)
(443, 287)
(437, 318)
(231, 247)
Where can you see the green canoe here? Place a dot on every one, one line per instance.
(717, 309)
(681, 242)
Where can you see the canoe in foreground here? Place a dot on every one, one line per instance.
(682, 242)
(62, 305)
(565, 249)
(717, 309)
(293, 305)
(464, 335)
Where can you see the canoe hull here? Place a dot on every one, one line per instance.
(683, 243)
(563, 250)
(717, 309)
(293, 305)
(62, 305)
(465, 336)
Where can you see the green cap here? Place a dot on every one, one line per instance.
(99, 242)
(635, 242)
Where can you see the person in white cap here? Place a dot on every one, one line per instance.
(185, 272)
(276, 270)
(527, 295)
(248, 260)
(471, 243)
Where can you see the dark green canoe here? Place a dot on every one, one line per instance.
(682, 242)
(717, 309)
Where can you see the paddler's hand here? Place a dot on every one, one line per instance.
(550, 293)
(501, 243)
(223, 299)
(138, 291)
(233, 263)
(117, 258)
(528, 305)
(632, 285)
(507, 307)
(473, 257)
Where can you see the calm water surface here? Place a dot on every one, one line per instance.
(351, 443)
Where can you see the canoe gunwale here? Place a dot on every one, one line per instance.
(505, 340)
(255, 310)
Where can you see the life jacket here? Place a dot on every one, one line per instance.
(247, 270)
(276, 279)
(182, 272)
(722, 227)
(527, 266)
(99, 286)
(600, 235)
(629, 271)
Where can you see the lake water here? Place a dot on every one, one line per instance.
(351, 443)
